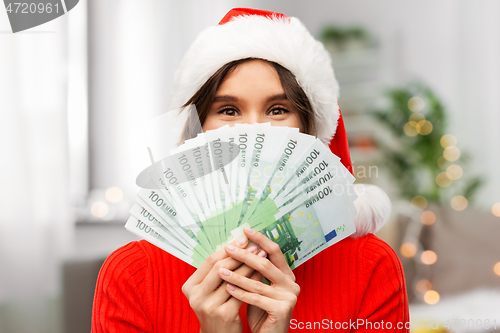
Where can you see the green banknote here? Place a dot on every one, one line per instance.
(283, 183)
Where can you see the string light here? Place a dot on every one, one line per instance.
(428, 217)
(451, 153)
(459, 202)
(424, 127)
(114, 194)
(431, 297)
(419, 202)
(416, 117)
(99, 209)
(416, 104)
(448, 140)
(410, 128)
(423, 286)
(417, 125)
(496, 209)
(408, 250)
(496, 268)
(443, 180)
(428, 257)
(454, 172)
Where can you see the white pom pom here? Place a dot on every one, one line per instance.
(373, 207)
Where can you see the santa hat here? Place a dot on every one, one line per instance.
(250, 33)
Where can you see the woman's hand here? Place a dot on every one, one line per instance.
(270, 307)
(216, 310)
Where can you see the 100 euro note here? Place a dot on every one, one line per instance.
(317, 167)
(212, 186)
(248, 162)
(155, 213)
(263, 163)
(243, 181)
(221, 153)
(148, 224)
(318, 223)
(308, 227)
(173, 210)
(188, 191)
(194, 164)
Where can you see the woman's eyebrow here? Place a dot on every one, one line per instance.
(229, 98)
(277, 97)
(225, 98)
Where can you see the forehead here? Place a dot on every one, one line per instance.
(253, 76)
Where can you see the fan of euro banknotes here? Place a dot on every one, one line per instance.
(276, 180)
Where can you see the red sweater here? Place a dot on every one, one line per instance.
(139, 290)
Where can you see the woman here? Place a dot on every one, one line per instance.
(258, 66)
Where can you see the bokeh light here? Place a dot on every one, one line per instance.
(416, 104)
(496, 268)
(451, 153)
(416, 117)
(418, 125)
(99, 209)
(424, 127)
(459, 202)
(419, 202)
(431, 297)
(454, 171)
(443, 180)
(410, 128)
(408, 250)
(496, 209)
(423, 286)
(448, 140)
(428, 217)
(114, 194)
(428, 257)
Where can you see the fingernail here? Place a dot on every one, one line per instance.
(250, 231)
(231, 287)
(229, 247)
(241, 241)
(225, 271)
(262, 253)
(252, 248)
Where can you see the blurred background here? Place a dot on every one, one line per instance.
(420, 83)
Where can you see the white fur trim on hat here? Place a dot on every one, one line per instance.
(373, 207)
(286, 42)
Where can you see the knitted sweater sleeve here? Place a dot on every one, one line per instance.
(118, 307)
(384, 303)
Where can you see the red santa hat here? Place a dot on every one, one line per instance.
(250, 33)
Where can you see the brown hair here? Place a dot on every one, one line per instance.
(204, 97)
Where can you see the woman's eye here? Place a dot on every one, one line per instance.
(228, 112)
(277, 111)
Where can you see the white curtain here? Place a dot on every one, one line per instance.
(134, 55)
(35, 221)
